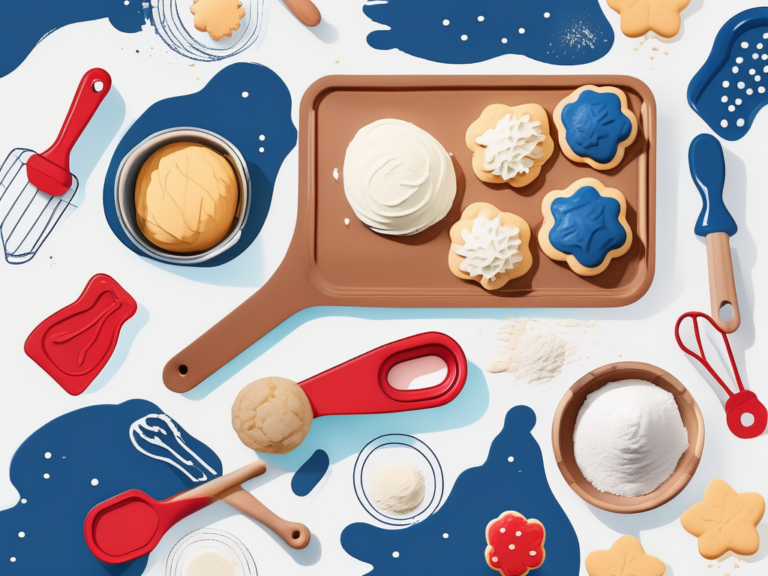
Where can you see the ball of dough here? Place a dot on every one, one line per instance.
(272, 415)
(186, 197)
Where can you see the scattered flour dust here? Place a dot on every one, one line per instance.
(535, 350)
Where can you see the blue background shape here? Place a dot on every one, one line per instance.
(221, 108)
(587, 226)
(311, 472)
(30, 21)
(707, 165)
(595, 125)
(92, 442)
(707, 89)
(575, 32)
(479, 495)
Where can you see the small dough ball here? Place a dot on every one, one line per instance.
(272, 415)
(186, 197)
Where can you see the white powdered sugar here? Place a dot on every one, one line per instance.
(512, 146)
(629, 437)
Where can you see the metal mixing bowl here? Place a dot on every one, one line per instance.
(125, 188)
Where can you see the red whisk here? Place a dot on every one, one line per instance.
(739, 403)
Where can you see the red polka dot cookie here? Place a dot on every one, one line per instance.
(515, 544)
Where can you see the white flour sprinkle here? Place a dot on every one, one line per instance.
(534, 350)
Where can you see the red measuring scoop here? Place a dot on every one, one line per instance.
(739, 403)
(361, 385)
(131, 524)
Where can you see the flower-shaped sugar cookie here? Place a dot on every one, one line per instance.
(625, 558)
(217, 17)
(510, 144)
(639, 17)
(725, 521)
(490, 246)
(595, 126)
(515, 544)
(585, 225)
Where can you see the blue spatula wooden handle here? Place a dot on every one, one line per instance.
(707, 164)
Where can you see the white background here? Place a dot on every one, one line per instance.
(176, 305)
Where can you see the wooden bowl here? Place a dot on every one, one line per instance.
(565, 420)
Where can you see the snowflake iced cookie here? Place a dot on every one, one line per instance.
(595, 126)
(585, 225)
(725, 521)
(639, 17)
(510, 144)
(515, 544)
(218, 17)
(625, 558)
(489, 246)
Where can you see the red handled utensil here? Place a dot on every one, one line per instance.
(131, 524)
(361, 385)
(739, 403)
(37, 189)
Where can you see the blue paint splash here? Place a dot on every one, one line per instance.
(309, 475)
(28, 22)
(587, 226)
(479, 495)
(595, 125)
(732, 85)
(87, 444)
(564, 32)
(241, 103)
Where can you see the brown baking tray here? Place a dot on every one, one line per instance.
(333, 263)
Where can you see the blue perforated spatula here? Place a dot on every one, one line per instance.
(707, 164)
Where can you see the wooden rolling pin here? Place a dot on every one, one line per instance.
(305, 10)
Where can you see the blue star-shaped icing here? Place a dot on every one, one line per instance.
(587, 226)
(595, 125)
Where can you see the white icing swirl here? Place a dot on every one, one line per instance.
(512, 146)
(398, 179)
(489, 248)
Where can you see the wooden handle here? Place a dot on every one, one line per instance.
(306, 12)
(274, 303)
(292, 533)
(722, 288)
(224, 483)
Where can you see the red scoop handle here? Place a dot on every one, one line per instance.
(739, 403)
(93, 88)
(360, 386)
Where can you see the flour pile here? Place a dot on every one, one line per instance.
(629, 437)
(398, 489)
(535, 351)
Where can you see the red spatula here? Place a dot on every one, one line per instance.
(739, 404)
(131, 524)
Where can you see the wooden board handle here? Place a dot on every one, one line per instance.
(305, 11)
(294, 534)
(722, 287)
(274, 303)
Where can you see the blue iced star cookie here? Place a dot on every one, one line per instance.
(585, 225)
(595, 126)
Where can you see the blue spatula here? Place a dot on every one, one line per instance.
(707, 164)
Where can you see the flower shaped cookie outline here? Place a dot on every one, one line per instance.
(573, 114)
(551, 209)
(626, 557)
(515, 544)
(508, 220)
(489, 119)
(638, 17)
(725, 520)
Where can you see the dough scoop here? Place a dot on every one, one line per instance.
(274, 414)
